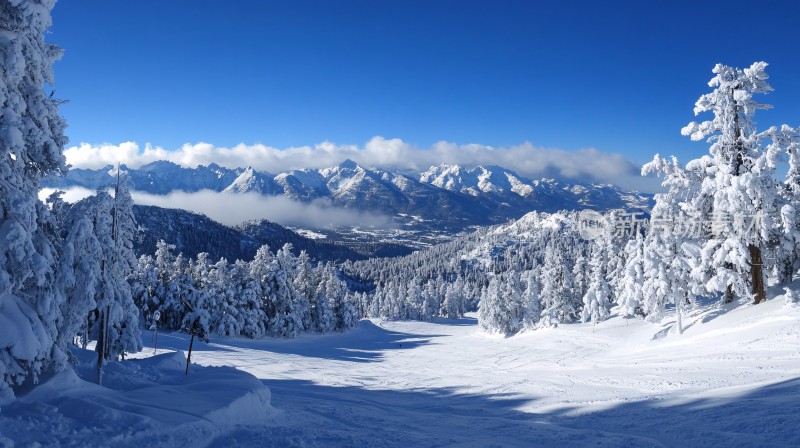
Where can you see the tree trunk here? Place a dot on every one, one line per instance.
(100, 348)
(757, 274)
(729, 294)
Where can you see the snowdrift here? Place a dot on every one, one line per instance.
(143, 402)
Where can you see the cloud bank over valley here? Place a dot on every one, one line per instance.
(235, 208)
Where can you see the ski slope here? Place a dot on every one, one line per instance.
(732, 379)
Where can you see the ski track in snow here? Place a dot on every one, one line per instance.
(731, 379)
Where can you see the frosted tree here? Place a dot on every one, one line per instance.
(597, 299)
(31, 142)
(376, 306)
(630, 296)
(124, 336)
(261, 273)
(415, 299)
(178, 285)
(493, 314)
(431, 302)
(194, 304)
(144, 285)
(156, 290)
(453, 304)
(512, 294)
(672, 269)
(335, 291)
(79, 275)
(738, 188)
(286, 321)
(224, 311)
(252, 318)
(614, 260)
(305, 283)
(581, 274)
(116, 322)
(558, 293)
(531, 299)
(786, 140)
(396, 305)
(323, 312)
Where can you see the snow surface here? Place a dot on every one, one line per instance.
(148, 402)
(731, 379)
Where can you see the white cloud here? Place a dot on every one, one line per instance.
(71, 195)
(235, 208)
(586, 165)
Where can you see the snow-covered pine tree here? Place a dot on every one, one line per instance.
(597, 299)
(630, 296)
(430, 300)
(581, 272)
(787, 251)
(251, 317)
(512, 295)
(377, 302)
(738, 184)
(287, 321)
(79, 274)
(305, 283)
(117, 317)
(323, 313)
(558, 292)
(224, 312)
(453, 305)
(124, 333)
(493, 316)
(31, 143)
(672, 270)
(531, 299)
(336, 291)
(144, 286)
(415, 302)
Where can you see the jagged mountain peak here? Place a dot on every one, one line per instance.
(349, 164)
(444, 196)
(159, 165)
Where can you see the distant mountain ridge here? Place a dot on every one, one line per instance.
(447, 197)
(192, 233)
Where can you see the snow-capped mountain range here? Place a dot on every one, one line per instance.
(444, 197)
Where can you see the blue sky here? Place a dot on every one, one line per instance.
(621, 77)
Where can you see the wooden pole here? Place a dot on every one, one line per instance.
(189, 356)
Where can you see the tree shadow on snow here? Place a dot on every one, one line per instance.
(321, 415)
(180, 341)
(365, 343)
(460, 322)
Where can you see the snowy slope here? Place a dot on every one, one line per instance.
(732, 379)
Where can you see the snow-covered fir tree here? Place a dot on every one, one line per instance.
(597, 299)
(737, 188)
(31, 143)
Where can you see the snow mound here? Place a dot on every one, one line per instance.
(175, 361)
(146, 402)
